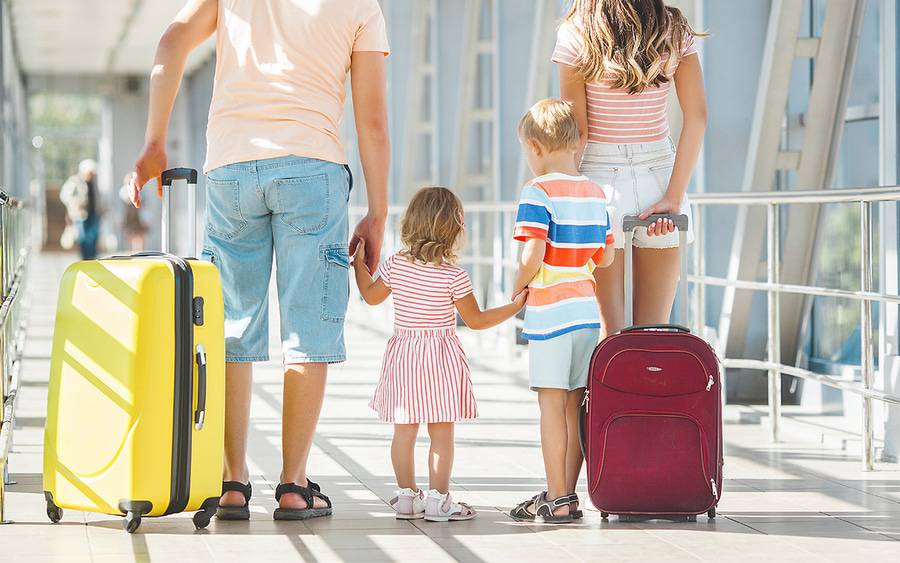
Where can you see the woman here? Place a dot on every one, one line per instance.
(617, 60)
(278, 183)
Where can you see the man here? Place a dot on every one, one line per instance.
(79, 195)
(278, 182)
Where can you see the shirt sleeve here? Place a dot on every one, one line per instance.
(384, 271)
(568, 44)
(534, 215)
(372, 32)
(461, 285)
(689, 46)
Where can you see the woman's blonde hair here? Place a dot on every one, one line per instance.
(635, 44)
(432, 227)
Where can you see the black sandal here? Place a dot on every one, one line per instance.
(543, 510)
(576, 514)
(235, 512)
(309, 493)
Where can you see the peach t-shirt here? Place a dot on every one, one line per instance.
(281, 68)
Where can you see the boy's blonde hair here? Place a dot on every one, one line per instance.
(551, 123)
(432, 227)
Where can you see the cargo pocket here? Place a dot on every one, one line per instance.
(208, 255)
(223, 208)
(336, 288)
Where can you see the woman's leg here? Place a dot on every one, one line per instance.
(656, 272)
(440, 456)
(304, 392)
(238, 389)
(611, 296)
(403, 455)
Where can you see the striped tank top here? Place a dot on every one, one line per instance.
(614, 115)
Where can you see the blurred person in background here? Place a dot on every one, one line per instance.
(133, 226)
(79, 195)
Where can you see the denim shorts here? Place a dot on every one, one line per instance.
(634, 177)
(562, 362)
(296, 209)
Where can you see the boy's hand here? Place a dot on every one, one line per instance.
(359, 255)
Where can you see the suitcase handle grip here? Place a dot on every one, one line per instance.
(662, 327)
(172, 174)
(200, 413)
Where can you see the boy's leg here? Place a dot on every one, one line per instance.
(304, 391)
(238, 389)
(440, 456)
(574, 457)
(403, 455)
(611, 295)
(554, 442)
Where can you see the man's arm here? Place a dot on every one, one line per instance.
(369, 85)
(192, 26)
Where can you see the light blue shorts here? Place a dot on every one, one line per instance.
(562, 362)
(295, 208)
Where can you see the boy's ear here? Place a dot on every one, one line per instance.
(535, 147)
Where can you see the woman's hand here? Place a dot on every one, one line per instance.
(150, 164)
(665, 206)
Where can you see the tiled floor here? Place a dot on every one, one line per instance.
(797, 501)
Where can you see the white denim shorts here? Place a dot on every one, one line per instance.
(634, 177)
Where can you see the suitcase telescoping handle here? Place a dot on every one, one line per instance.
(190, 176)
(629, 224)
(200, 413)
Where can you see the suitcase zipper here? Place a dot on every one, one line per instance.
(585, 403)
(715, 489)
(710, 383)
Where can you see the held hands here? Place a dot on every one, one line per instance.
(662, 227)
(369, 231)
(150, 164)
(519, 297)
(359, 256)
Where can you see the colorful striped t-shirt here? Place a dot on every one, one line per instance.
(569, 213)
(615, 115)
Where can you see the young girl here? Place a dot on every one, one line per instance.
(425, 376)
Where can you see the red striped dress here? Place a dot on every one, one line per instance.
(424, 375)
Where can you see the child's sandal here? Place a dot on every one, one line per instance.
(441, 508)
(409, 504)
(543, 510)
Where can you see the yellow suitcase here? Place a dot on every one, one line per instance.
(135, 415)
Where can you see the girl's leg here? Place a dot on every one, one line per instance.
(554, 442)
(440, 456)
(574, 457)
(238, 389)
(611, 296)
(403, 455)
(656, 272)
(304, 392)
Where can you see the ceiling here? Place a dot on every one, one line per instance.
(78, 37)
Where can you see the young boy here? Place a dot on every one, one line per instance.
(564, 223)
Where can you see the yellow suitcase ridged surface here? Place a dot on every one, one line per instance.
(109, 430)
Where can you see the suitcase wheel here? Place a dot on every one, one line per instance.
(202, 518)
(604, 515)
(54, 513)
(131, 522)
(711, 513)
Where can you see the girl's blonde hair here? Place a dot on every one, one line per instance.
(635, 44)
(432, 227)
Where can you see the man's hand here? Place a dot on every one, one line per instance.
(150, 164)
(370, 230)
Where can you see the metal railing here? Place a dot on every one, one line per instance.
(14, 246)
(492, 256)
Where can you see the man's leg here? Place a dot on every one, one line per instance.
(304, 390)
(238, 390)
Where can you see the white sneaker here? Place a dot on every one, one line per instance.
(409, 504)
(441, 508)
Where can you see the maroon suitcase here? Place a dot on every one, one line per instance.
(652, 416)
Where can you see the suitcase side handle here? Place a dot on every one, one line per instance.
(660, 327)
(200, 413)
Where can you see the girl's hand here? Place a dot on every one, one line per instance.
(359, 255)
(664, 206)
(520, 298)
